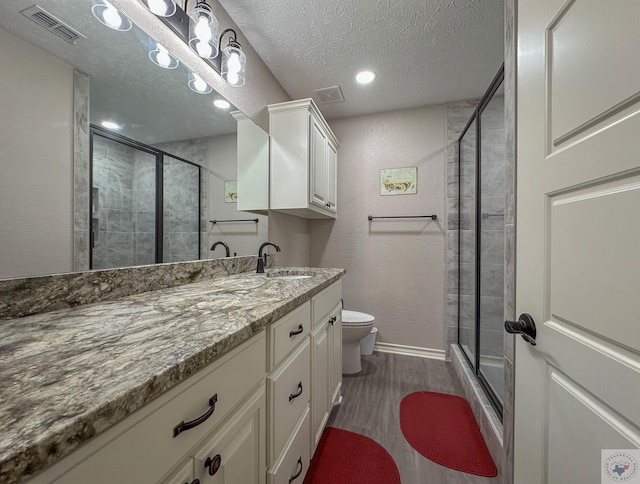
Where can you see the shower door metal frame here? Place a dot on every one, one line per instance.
(159, 199)
(476, 119)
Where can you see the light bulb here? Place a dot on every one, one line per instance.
(199, 84)
(232, 77)
(202, 30)
(159, 7)
(111, 16)
(163, 56)
(204, 49)
(234, 63)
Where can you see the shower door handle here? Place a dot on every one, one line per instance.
(525, 327)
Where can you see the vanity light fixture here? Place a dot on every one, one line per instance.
(197, 84)
(203, 30)
(221, 104)
(110, 16)
(162, 8)
(233, 64)
(365, 77)
(161, 56)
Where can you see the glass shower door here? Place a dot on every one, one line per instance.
(491, 241)
(467, 289)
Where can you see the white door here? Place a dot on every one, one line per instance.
(578, 240)
(318, 164)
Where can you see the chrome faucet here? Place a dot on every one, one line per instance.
(261, 261)
(226, 247)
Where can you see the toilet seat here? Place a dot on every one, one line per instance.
(356, 318)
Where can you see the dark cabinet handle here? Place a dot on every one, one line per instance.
(195, 481)
(298, 393)
(183, 426)
(333, 320)
(297, 474)
(525, 326)
(298, 331)
(213, 464)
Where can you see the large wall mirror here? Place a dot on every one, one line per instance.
(77, 194)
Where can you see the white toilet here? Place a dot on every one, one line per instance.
(355, 326)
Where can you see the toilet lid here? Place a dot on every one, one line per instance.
(355, 317)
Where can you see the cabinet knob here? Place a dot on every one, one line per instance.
(213, 464)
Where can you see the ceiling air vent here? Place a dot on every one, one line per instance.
(329, 95)
(51, 23)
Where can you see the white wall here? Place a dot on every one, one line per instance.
(395, 269)
(36, 163)
(242, 238)
(292, 235)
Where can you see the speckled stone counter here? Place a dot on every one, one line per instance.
(67, 375)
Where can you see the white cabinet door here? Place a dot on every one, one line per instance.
(183, 475)
(320, 343)
(236, 452)
(335, 356)
(318, 164)
(332, 180)
(578, 258)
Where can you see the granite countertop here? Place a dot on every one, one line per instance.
(67, 375)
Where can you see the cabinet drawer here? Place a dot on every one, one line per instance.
(289, 389)
(235, 453)
(292, 465)
(288, 332)
(146, 450)
(325, 301)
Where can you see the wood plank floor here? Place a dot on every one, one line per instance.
(371, 407)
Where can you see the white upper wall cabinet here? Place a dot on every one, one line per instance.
(253, 166)
(304, 156)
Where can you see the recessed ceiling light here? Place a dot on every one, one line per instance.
(221, 103)
(111, 125)
(365, 77)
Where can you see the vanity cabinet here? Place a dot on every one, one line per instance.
(303, 159)
(147, 445)
(326, 357)
(252, 166)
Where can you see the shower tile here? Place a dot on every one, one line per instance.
(81, 209)
(467, 278)
(119, 198)
(119, 221)
(181, 221)
(492, 280)
(492, 313)
(452, 311)
(144, 176)
(80, 250)
(493, 145)
(491, 343)
(180, 198)
(493, 114)
(145, 200)
(145, 244)
(144, 259)
(492, 246)
(119, 249)
(452, 247)
(507, 422)
(510, 192)
(452, 214)
(80, 112)
(99, 148)
(183, 243)
(145, 221)
(492, 180)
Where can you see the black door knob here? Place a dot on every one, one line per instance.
(525, 327)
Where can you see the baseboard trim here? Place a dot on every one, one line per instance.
(409, 351)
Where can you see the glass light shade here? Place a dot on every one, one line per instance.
(197, 84)
(110, 16)
(234, 65)
(161, 56)
(203, 31)
(162, 8)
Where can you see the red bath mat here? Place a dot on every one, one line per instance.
(442, 428)
(344, 457)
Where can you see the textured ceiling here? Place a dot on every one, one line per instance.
(423, 51)
(155, 104)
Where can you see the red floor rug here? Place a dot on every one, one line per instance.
(443, 429)
(344, 457)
